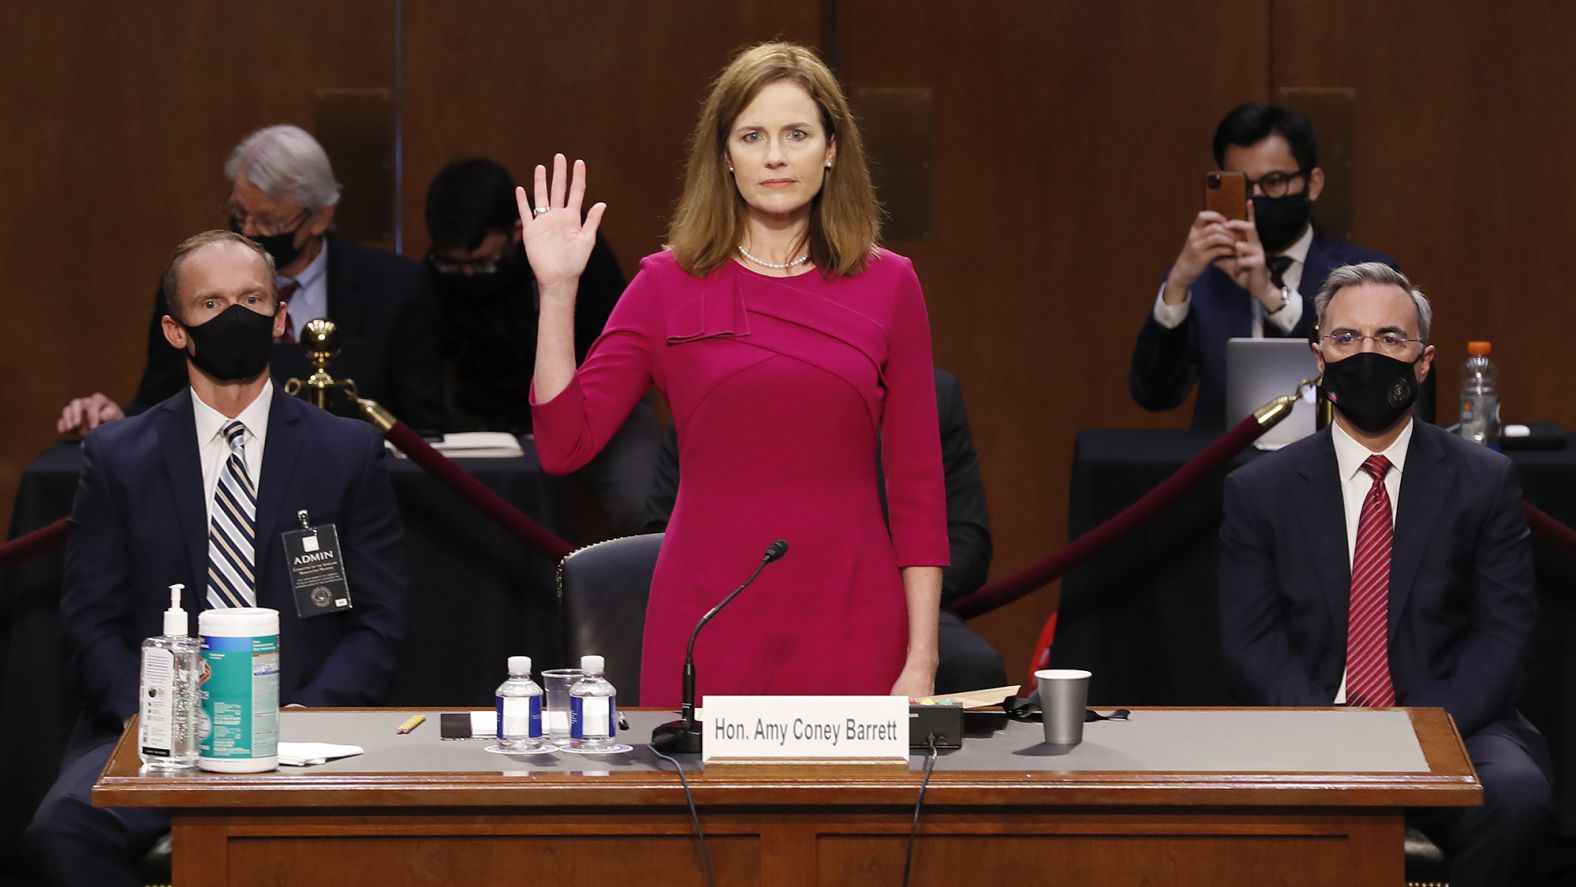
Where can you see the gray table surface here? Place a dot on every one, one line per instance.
(1182, 741)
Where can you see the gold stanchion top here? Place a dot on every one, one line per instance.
(1270, 415)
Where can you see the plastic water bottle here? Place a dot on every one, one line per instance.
(593, 708)
(167, 699)
(519, 708)
(1480, 395)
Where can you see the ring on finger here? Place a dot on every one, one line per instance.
(542, 210)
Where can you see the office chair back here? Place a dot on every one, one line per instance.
(602, 592)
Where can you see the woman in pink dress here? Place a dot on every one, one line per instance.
(795, 354)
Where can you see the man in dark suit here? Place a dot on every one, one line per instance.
(1384, 561)
(482, 298)
(1239, 279)
(158, 504)
(967, 661)
(283, 195)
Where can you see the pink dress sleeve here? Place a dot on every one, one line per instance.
(910, 432)
(573, 427)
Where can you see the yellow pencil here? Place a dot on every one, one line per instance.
(411, 724)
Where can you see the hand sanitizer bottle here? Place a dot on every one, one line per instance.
(167, 694)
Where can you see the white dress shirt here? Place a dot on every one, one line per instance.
(1171, 316)
(213, 450)
(1355, 484)
(311, 300)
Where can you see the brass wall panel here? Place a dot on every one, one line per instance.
(357, 128)
(898, 135)
(1333, 111)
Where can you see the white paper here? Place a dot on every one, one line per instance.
(303, 754)
(476, 445)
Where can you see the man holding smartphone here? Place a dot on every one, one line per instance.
(1252, 272)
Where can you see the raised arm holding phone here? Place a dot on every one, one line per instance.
(1250, 264)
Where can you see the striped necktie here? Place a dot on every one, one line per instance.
(1367, 623)
(232, 529)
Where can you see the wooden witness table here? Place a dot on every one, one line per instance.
(1260, 804)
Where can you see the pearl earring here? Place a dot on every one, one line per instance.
(828, 165)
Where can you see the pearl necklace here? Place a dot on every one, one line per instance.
(784, 266)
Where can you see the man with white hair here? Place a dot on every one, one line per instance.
(283, 195)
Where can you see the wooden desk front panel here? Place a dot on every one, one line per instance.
(782, 847)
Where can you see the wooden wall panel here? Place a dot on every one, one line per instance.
(618, 84)
(1070, 143)
(1465, 118)
(1069, 138)
(118, 119)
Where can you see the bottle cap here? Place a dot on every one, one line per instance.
(175, 622)
(1480, 348)
(519, 666)
(591, 664)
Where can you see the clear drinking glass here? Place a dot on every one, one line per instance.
(556, 682)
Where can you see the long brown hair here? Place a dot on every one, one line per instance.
(845, 220)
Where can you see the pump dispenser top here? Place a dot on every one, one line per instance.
(175, 622)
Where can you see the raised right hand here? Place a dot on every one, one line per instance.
(87, 413)
(1207, 241)
(557, 243)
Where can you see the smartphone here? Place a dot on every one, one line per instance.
(1227, 193)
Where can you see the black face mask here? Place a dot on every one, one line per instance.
(1372, 390)
(477, 288)
(233, 346)
(281, 246)
(1280, 220)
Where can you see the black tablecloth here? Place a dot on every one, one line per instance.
(1142, 616)
(477, 597)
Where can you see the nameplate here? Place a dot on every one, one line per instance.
(805, 728)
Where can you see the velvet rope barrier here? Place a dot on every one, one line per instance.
(30, 545)
(1098, 539)
(469, 488)
(1550, 531)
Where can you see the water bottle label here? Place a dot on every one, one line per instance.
(519, 716)
(157, 704)
(591, 717)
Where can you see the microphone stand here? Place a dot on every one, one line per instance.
(683, 735)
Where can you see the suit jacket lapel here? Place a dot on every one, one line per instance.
(1316, 267)
(1425, 484)
(183, 465)
(1321, 510)
(279, 457)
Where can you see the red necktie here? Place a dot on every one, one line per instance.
(1367, 623)
(285, 292)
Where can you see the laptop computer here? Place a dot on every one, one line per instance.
(1260, 370)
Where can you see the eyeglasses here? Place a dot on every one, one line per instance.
(1275, 184)
(263, 226)
(1389, 342)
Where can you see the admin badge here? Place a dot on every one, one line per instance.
(316, 570)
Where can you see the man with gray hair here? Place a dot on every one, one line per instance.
(283, 195)
(1385, 561)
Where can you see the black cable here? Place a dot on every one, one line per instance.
(913, 829)
(705, 851)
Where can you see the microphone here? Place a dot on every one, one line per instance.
(683, 735)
